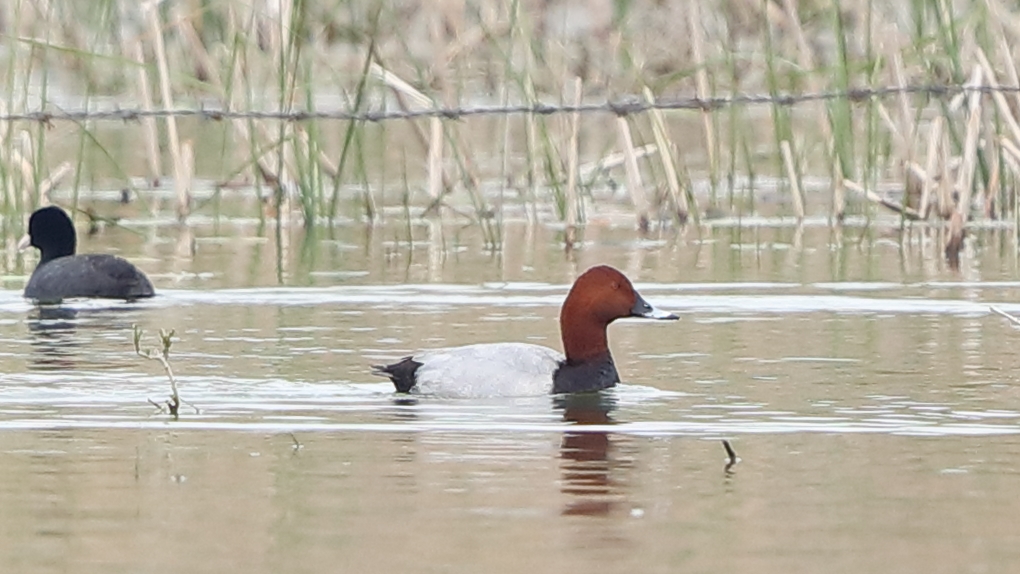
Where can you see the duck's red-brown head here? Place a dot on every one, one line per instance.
(600, 296)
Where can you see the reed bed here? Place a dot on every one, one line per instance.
(923, 156)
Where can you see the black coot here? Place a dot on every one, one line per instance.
(63, 275)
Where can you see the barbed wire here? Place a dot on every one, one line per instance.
(621, 107)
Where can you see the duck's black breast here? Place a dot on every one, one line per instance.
(582, 377)
(93, 275)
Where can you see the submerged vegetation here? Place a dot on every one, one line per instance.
(895, 130)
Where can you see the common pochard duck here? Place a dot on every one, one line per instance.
(600, 296)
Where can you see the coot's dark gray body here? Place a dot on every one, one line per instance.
(63, 275)
(94, 275)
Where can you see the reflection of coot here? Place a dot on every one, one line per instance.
(588, 468)
(57, 341)
(53, 339)
(62, 275)
(52, 319)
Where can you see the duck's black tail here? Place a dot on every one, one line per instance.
(402, 373)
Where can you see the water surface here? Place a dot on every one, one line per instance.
(867, 389)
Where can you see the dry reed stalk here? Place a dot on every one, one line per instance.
(437, 32)
(668, 156)
(284, 160)
(15, 161)
(22, 160)
(531, 135)
(1006, 56)
(449, 34)
(325, 162)
(285, 18)
(997, 96)
(1012, 151)
(906, 118)
(798, 237)
(468, 170)
(5, 158)
(505, 177)
(805, 58)
(572, 162)
(530, 122)
(918, 174)
(467, 40)
(894, 129)
(954, 239)
(193, 45)
(188, 173)
(965, 178)
(27, 150)
(634, 184)
(266, 160)
(614, 160)
(56, 176)
(149, 129)
(838, 191)
(1005, 18)
(281, 13)
(184, 248)
(791, 174)
(131, 43)
(945, 190)
(931, 158)
(873, 197)
(701, 85)
(435, 161)
(151, 11)
(993, 185)
(438, 181)
(904, 127)
(775, 15)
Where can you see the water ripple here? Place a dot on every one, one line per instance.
(743, 298)
(278, 406)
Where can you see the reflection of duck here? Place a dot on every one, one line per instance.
(588, 468)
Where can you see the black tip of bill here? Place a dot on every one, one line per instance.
(644, 309)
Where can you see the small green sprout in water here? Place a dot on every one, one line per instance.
(162, 355)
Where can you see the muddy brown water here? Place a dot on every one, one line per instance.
(868, 391)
